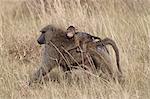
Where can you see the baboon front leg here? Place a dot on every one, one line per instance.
(39, 74)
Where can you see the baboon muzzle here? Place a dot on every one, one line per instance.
(41, 39)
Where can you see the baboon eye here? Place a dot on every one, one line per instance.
(42, 31)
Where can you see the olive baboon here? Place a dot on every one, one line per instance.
(54, 39)
(81, 38)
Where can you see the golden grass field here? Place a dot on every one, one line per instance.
(127, 22)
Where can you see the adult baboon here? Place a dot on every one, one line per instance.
(56, 41)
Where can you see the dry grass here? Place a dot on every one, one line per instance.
(125, 21)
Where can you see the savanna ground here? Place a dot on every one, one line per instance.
(125, 21)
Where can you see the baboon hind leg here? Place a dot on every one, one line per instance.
(103, 63)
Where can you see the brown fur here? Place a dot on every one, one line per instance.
(54, 54)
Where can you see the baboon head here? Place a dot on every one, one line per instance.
(70, 31)
(42, 38)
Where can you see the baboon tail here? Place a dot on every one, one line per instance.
(108, 41)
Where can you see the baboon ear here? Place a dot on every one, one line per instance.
(41, 39)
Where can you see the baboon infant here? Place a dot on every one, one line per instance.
(81, 38)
